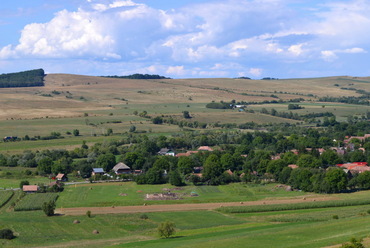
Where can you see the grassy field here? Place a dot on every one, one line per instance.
(127, 194)
(310, 227)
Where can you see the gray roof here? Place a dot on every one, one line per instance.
(98, 170)
(121, 166)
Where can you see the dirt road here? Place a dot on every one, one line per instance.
(180, 207)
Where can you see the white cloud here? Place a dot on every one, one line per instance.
(296, 49)
(176, 70)
(255, 72)
(212, 38)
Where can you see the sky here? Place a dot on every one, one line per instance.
(187, 38)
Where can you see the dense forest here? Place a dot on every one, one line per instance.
(139, 76)
(23, 79)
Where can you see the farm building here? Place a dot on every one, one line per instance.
(61, 177)
(30, 188)
(121, 168)
(97, 171)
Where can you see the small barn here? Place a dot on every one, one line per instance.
(30, 188)
(61, 177)
(97, 171)
(121, 168)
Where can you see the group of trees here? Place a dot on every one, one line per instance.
(23, 79)
(140, 76)
(249, 154)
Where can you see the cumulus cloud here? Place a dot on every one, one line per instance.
(224, 38)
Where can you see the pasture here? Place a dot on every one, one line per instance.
(129, 194)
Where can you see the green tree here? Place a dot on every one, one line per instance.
(307, 160)
(76, 132)
(24, 182)
(175, 178)
(109, 131)
(6, 234)
(186, 114)
(227, 161)
(48, 208)
(106, 161)
(132, 129)
(44, 165)
(212, 168)
(354, 243)
(154, 176)
(166, 229)
(336, 179)
(185, 165)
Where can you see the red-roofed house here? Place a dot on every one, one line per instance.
(30, 188)
(61, 177)
(357, 167)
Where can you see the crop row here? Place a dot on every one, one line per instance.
(5, 196)
(296, 206)
(34, 201)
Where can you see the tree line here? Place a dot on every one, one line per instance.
(23, 79)
(139, 76)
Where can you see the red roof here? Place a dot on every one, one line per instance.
(352, 164)
(205, 148)
(30, 188)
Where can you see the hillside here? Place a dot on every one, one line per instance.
(72, 101)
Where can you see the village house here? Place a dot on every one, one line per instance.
(166, 152)
(355, 167)
(30, 188)
(361, 138)
(121, 168)
(61, 177)
(187, 154)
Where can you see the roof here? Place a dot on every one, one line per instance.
(205, 148)
(121, 166)
(60, 176)
(352, 164)
(98, 170)
(293, 166)
(30, 188)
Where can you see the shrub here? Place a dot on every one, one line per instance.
(88, 213)
(335, 217)
(48, 208)
(166, 229)
(6, 234)
(144, 217)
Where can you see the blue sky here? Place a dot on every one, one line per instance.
(187, 38)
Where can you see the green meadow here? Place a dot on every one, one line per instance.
(129, 193)
(273, 227)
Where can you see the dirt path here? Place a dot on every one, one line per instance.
(180, 207)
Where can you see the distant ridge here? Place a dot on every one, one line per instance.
(29, 78)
